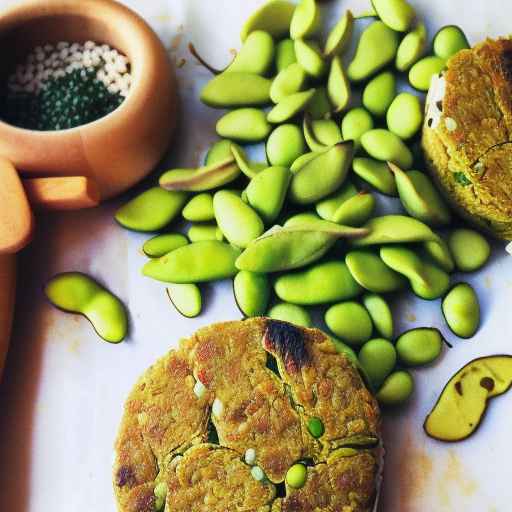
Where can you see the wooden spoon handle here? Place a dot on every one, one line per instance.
(7, 297)
(66, 193)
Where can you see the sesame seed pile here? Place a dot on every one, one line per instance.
(66, 85)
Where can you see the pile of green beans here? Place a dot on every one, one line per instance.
(298, 230)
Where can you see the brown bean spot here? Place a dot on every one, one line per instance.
(125, 476)
(458, 388)
(487, 383)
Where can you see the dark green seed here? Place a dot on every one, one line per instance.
(316, 427)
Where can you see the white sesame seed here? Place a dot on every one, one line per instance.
(257, 473)
(199, 389)
(48, 62)
(56, 64)
(69, 69)
(95, 60)
(217, 406)
(105, 47)
(59, 73)
(63, 53)
(74, 47)
(124, 92)
(89, 45)
(87, 63)
(451, 124)
(62, 44)
(250, 456)
(120, 66)
(113, 88)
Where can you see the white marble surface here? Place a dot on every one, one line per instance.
(63, 390)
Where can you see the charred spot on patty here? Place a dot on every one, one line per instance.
(288, 342)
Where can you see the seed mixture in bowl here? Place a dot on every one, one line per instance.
(66, 85)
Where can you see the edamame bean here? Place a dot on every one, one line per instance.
(239, 223)
(199, 208)
(218, 152)
(195, 263)
(320, 134)
(461, 310)
(356, 122)
(397, 389)
(250, 169)
(340, 35)
(377, 174)
(316, 427)
(380, 313)
(377, 48)
(162, 244)
(396, 14)
(372, 273)
(378, 359)
(290, 313)
(300, 162)
(448, 41)
(412, 48)
(305, 20)
(285, 144)
(393, 229)
(273, 17)
(186, 298)
(296, 476)
(469, 248)
(420, 346)
(420, 198)
(244, 124)
(350, 321)
(267, 191)
(75, 292)
(229, 90)
(405, 115)
(310, 58)
(338, 86)
(356, 210)
(290, 106)
(202, 232)
(323, 175)
(387, 147)
(423, 71)
(439, 253)
(319, 107)
(152, 210)
(328, 207)
(288, 248)
(202, 179)
(285, 54)
(322, 283)
(289, 81)
(252, 293)
(379, 93)
(301, 219)
(256, 55)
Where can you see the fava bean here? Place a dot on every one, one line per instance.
(285, 54)
(285, 145)
(296, 476)
(469, 248)
(322, 283)
(380, 313)
(461, 310)
(320, 134)
(162, 244)
(356, 122)
(377, 48)
(218, 152)
(350, 321)
(186, 298)
(322, 175)
(244, 124)
(310, 58)
(202, 232)
(448, 41)
(290, 313)
(256, 55)
(229, 90)
(340, 35)
(436, 283)
(412, 48)
(300, 162)
(239, 223)
(396, 14)
(378, 359)
(387, 147)
(328, 207)
(199, 208)
(356, 210)
(152, 210)
(252, 293)
(420, 198)
(439, 253)
(377, 174)
(301, 219)
(319, 107)
(372, 273)
(397, 389)
(338, 86)
(75, 292)
(289, 81)
(273, 17)
(305, 20)
(420, 346)
(267, 191)
(195, 263)
(423, 71)
(379, 93)
(405, 115)
(290, 106)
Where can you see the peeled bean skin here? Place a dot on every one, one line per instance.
(320, 134)
(461, 310)
(338, 86)
(326, 208)
(321, 283)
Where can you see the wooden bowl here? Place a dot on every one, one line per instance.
(119, 149)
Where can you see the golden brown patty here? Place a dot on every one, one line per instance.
(468, 131)
(223, 380)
